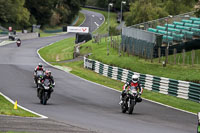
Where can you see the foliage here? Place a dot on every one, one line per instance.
(174, 7)
(197, 9)
(146, 10)
(24, 13)
(114, 31)
(14, 12)
(116, 4)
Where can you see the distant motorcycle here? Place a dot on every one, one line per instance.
(130, 100)
(38, 77)
(44, 91)
(18, 42)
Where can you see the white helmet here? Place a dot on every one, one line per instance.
(135, 78)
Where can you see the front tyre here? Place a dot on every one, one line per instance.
(44, 98)
(131, 106)
(123, 107)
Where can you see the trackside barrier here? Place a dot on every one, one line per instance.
(178, 88)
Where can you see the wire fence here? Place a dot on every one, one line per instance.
(163, 55)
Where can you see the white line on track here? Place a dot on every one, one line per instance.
(41, 116)
(96, 24)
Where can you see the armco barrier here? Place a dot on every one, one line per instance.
(178, 88)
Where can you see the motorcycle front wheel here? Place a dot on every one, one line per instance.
(131, 106)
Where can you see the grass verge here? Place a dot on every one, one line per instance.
(62, 50)
(81, 19)
(7, 108)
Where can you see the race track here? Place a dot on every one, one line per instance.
(79, 102)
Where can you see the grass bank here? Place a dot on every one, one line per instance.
(59, 51)
(99, 53)
(80, 19)
(7, 108)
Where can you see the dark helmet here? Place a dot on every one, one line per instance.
(48, 73)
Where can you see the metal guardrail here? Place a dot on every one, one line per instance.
(178, 88)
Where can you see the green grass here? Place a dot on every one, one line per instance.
(62, 50)
(43, 34)
(7, 108)
(198, 129)
(104, 27)
(81, 19)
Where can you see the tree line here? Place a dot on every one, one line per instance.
(139, 11)
(24, 13)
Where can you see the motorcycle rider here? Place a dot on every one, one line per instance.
(39, 67)
(133, 82)
(51, 79)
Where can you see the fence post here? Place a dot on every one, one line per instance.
(183, 54)
(159, 53)
(123, 49)
(166, 55)
(128, 49)
(111, 41)
(151, 55)
(175, 56)
(145, 54)
(193, 57)
(119, 49)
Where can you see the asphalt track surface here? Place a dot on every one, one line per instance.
(79, 102)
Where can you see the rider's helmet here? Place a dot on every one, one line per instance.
(47, 73)
(135, 78)
(40, 65)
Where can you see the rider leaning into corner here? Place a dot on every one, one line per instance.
(133, 82)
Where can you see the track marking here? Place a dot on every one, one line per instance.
(96, 24)
(41, 116)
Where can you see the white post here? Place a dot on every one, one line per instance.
(110, 4)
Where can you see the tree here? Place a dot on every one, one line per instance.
(197, 9)
(41, 10)
(175, 7)
(144, 10)
(13, 11)
(54, 12)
